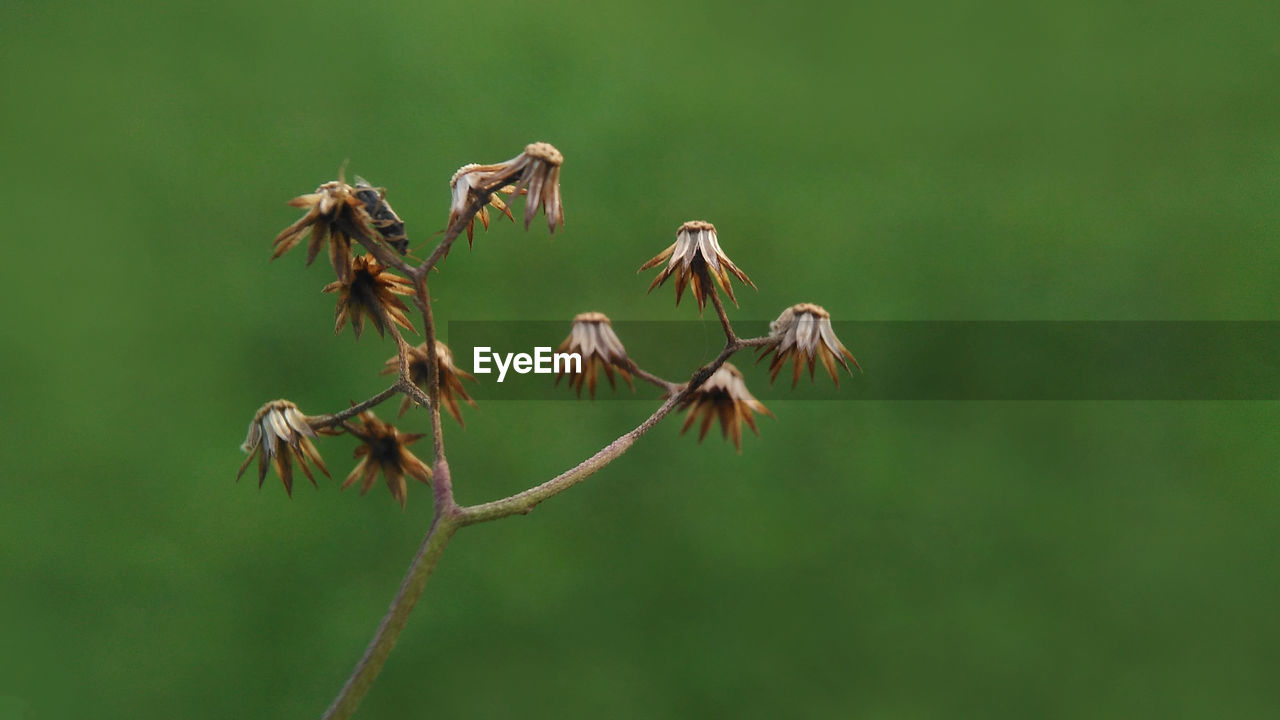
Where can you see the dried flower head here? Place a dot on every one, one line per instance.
(464, 190)
(370, 290)
(593, 339)
(385, 449)
(280, 434)
(724, 396)
(336, 213)
(451, 375)
(534, 173)
(803, 333)
(696, 259)
(383, 219)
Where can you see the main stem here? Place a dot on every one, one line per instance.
(415, 580)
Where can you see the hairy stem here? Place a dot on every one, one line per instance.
(729, 335)
(375, 656)
(671, 388)
(405, 383)
(422, 298)
(322, 421)
(526, 501)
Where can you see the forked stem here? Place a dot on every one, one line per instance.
(449, 518)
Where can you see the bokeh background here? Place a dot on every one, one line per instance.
(919, 161)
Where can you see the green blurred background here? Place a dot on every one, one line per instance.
(921, 161)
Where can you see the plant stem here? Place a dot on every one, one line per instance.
(524, 502)
(671, 388)
(375, 656)
(729, 335)
(321, 421)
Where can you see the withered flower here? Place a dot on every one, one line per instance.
(593, 339)
(534, 173)
(280, 434)
(696, 259)
(385, 449)
(463, 187)
(724, 396)
(451, 375)
(803, 333)
(336, 213)
(370, 290)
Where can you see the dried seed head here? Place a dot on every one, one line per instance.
(534, 173)
(279, 433)
(803, 333)
(451, 388)
(593, 338)
(724, 396)
(335, 213)
(696, 260)
(370, 290)
(383, 219)
(385, 450)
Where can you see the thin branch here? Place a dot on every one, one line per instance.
(405, 383)
(422, 298)
(671, 388)
(526, 501)
(729, 335)
(322, 421)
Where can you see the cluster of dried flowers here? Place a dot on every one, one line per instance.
(370, 286)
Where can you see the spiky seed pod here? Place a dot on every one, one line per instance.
(803, 333)
(534, 173)
(370, 291)
(697, 261)
(593, 339)
(724, 397)
(385, 450)
(279, 434)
